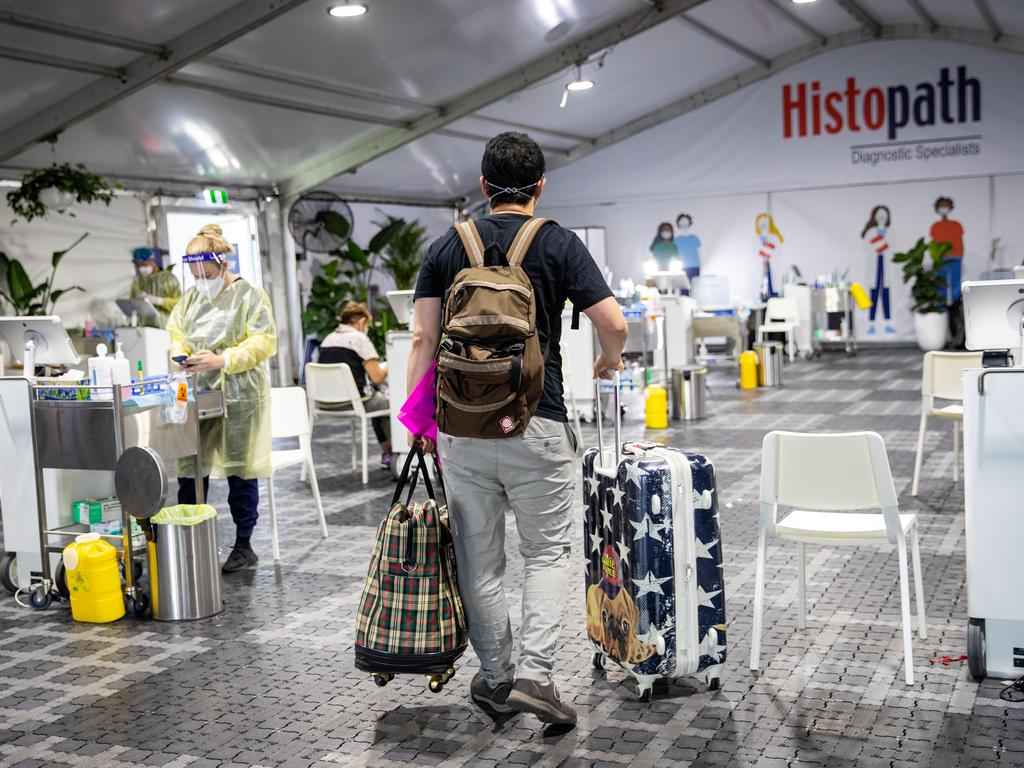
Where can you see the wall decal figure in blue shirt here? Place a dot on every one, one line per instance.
(687, 245)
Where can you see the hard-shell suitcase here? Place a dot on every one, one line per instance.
(655, 590)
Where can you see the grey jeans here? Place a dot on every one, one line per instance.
(534, 475)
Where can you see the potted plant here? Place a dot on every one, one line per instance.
(921, 266)
(404, 254)
(56, 188)
(26, 298)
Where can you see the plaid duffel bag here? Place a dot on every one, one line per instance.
(411, 618)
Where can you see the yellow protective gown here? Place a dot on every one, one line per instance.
(238, 324)
(162, 284)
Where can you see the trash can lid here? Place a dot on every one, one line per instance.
(141, 481)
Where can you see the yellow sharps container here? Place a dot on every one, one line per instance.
(748, 370)
(656, 407)
(93, 580)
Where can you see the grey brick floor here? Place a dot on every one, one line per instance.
(270, 682)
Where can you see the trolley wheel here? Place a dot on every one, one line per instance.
(60, 580)
(139, 604)
(40, 599)
(9, 572)
(714, 684)
(598, 660)
(382, 678)
(976, 649)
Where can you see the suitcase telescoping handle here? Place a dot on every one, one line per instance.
(616, 379)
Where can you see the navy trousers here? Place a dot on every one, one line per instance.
(243, 500)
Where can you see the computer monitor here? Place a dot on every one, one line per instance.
(993, 315)
(138, 308)
(42, 340)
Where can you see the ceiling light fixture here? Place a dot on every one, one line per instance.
(802, 2)
(347, 10)
(580, 83)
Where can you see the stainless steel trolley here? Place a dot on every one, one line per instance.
(832, 317)
(91, 434)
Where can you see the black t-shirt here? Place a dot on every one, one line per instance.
(559, 266)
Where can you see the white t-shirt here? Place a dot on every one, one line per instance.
(349, 346)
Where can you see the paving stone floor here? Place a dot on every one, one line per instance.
(270, 682)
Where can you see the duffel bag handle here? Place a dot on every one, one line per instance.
(410, 478)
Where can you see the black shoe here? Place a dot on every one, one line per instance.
(238, 559)
(493, 698)
(543, 701)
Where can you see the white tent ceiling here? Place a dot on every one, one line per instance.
(279, 93)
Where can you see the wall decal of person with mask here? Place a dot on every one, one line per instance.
(947, 230)
(663, 250)
(877, 236)
(769, 240)
(687, 245)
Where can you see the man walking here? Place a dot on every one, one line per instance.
(533, 473)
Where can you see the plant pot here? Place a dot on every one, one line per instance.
(56, 199)
(931, 330)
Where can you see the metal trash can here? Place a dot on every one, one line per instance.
(689, 389)
(183, 565)
(769, 363)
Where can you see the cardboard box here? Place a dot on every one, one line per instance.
(89, 511)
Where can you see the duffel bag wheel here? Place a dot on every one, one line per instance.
(435, 685)
(598, 660)
(714, 684)
(382, 679)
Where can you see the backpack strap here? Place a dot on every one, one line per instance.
(525, 235)
(470, 237)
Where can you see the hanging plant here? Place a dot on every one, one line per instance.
(56, 188)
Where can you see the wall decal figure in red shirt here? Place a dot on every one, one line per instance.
(947, 230)
(768, 241)
(877, 236)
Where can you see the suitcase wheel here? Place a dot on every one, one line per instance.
(598, 660)
(645, 694)
(714, 684)
(436, 682)
(382, 678)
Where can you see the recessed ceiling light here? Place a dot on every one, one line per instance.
(347, 10)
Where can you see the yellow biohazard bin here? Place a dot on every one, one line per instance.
(656, 407)
(748, 370)
(94, 580)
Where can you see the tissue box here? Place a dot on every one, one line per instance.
(113, 528)
(90, 511)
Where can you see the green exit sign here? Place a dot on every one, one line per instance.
(215, 196)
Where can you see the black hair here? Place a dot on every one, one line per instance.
(657, 235)
(947, 200)
(512, 160)
(688, 217)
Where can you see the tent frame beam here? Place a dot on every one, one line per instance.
(59, 62)
(192, 44)
(922, 13)
(783, 8)
(724, 41)
(77, 33)
(990, 19)
(361, 151)
(862, 17)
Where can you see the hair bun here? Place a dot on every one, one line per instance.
(211, 230)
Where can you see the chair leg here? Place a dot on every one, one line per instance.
(355, 460)
(956, 451)
(366, 470)
(922, 619)
(789, 346)
(920, 452)
(755, 634)
(273, 520)
(802, 586)
(316, 496)
(908, 648)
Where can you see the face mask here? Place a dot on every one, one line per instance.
(942, 211)
(145, 271)
(210, 287)
(881, 219)
(666, 235)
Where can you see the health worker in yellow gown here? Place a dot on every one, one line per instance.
(152, 283)
(225, 326)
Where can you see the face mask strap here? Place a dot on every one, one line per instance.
(508, 190)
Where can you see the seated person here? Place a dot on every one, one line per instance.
(349, 344)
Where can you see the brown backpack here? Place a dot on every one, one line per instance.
(490, 367)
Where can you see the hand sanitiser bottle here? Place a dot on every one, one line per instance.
(122, 368)
(101, 373)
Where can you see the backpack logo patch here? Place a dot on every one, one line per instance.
(507, 425)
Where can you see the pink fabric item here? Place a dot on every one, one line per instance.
(418, 413)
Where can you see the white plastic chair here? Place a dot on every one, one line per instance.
(782, 315)
(290, 418)
(942, 379)
(830, 475)
(333, 384)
